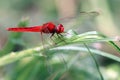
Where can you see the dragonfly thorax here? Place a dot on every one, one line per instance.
(48, 27)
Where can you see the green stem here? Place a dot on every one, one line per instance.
(97, 66)
(14, 56)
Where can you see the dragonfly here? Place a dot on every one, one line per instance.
(54, 27)
(47, 28)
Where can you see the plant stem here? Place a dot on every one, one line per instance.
(97, 66)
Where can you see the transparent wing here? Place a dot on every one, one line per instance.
(75, 21)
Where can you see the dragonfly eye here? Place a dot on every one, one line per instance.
(60, 28)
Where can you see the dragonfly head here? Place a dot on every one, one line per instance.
(60, 28)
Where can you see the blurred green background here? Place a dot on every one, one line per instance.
(41, 11)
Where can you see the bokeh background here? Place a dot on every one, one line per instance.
(42, 11)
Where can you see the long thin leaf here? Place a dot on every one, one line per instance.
(76, 48)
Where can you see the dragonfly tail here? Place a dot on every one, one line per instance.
(28, 29)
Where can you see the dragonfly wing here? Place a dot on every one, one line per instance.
(27, 29)
(78, 19)
(79, 15)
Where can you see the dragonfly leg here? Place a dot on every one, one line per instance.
(52, 35)
(60, 37)
(43, 43)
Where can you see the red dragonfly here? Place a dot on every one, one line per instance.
(48, 28)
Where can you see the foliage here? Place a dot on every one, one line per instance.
(43, 62)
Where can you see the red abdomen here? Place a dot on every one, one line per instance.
(28, 29)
